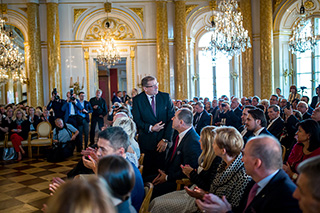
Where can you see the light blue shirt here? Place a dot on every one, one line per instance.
(262, 183)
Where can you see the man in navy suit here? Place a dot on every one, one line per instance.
(273, 189)
(303, 108)
(184, 151)
(201, 118)
(315, 99)
(152, 112)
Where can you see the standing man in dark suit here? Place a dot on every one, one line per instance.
(273, 189)
(201, 118)
(99, 107)
(117, 98)
(86, 109)
(185, 151)
(276, 124)
(152, 112)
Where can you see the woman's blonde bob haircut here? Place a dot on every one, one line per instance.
(230, 139)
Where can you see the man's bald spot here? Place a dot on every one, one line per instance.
(268, 150)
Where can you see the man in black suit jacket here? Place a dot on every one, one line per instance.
(315, 99)
(152, 112)
(84, 128)
(276, 123)
(303, 108)
(184, 151)
(273, 189)
(201, 118)
(256, 123)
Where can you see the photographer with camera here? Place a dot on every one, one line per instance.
(56, 104)
(113, 109)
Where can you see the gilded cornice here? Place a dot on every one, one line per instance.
(24, 9)
(77, 13)
(190, 7)
(3, 8)
(138, 11)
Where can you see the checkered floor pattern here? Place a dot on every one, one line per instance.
(24, 184)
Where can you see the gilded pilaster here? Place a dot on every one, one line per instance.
(35, 62)
(132, 56)
(180, 33)
(86, 58)
(163, 66)
(266, 47)
(247, 56)
(53, 39)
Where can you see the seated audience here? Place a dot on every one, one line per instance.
(278, 91)
(294, 104)
(231, 179)
(201, 177)
(307, 192)
(272, 191)
(303, 108)
(306, 99)
(18, 131)
(255, 100)
(308, 137)
(185, 151)
(316, 115)
(256, 123)
(48, 118)
(128, 125)
(81, 196)
(33, 119)
(315, 99)
(293, 94)
(274, 100)
(276, 123)
(248, 102)
(4, 127)
(120, 180)
(229, 117)
(243, 129)
(201, 118)
(297, 114)
(265, 103)
(208, 107)
(9, 115)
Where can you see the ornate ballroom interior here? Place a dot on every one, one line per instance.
(60, 41)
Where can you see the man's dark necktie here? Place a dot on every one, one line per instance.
(153, 105)
(175, 147)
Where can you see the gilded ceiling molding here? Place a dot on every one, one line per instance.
(3, 9)
(276, 4)
(119, 30)
(190, 7)
(24, 9)
(309, 5)
(139, 12)
(77, 13)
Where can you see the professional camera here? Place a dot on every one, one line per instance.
(71, 95)
(55, 93)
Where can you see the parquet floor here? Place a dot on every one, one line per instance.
(24, 184)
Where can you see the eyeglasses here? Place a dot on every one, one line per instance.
(155, 85)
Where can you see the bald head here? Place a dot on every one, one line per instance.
(268, 150)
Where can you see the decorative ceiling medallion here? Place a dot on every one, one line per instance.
(190, 7)
(139, 12)
(309, 5)
(118, 30)
(24, 9)
(77, 13)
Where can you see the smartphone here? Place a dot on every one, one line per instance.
(288, 105)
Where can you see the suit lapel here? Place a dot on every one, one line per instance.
(179, 147)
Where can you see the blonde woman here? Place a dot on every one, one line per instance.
(128, 125)
(201, 177)
(82, 196)
(18, 131)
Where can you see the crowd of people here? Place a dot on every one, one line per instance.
(241, 154)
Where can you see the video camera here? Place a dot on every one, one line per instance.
(55, 93)
(71, 95)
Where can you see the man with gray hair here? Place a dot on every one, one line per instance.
(201, 118)
(303, 108)
(184, 151)
(272, 191)
(308, 190)
(276, 123)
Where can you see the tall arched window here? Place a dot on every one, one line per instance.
(214, 78)
(308, 66)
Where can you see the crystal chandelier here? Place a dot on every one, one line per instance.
(228, 37)
(10, 59)
(108, 54)
(302, 38)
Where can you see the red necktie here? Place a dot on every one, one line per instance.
(251, 195)
(175, 147)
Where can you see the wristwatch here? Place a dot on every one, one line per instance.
(165, 140)
(295, 176)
